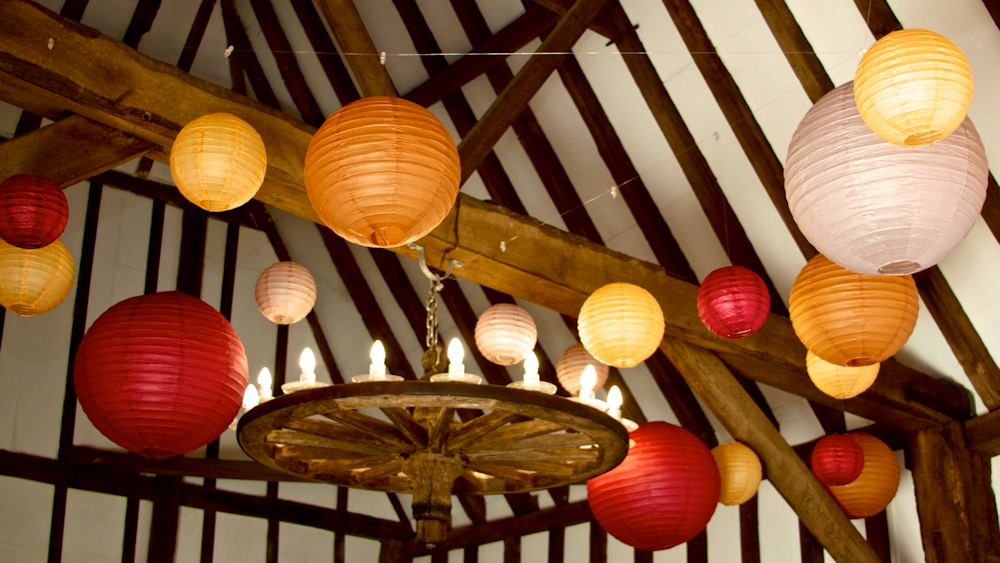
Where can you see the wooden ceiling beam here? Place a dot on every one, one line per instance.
(515, 97)
(602, 25)
(345, 21)
(982, 434)
(326, 51)
(237, 36)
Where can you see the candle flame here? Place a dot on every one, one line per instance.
(378, 353)
(531, 363)
(588, 380)
(456, 353)
(264, 379)
(250, 397)
(307, 361)
(615, 397)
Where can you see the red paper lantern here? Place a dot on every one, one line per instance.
(837, 459)
(33, 211)
(663, 494)
(733, 302)
(875, 488)
(161, 375)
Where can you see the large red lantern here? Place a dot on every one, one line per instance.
(33, 211)
(837, 459)
(663, 494)
(733, 302)
(161, 375)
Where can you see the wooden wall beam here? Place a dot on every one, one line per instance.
(749, 532)
(349, 29)
(602, 24)
(982, 434)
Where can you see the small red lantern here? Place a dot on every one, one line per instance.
(161, 375)
(663, 494)
(33, 211)
(837, 459)
(733, 302)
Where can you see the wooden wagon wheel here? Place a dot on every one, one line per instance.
(525, 441)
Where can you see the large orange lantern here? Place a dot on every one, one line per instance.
(851, 319)
(572, 362)
(285, 292)
(34, 281)
(621, 324)
(876, 486)
(218, 162)
(382, 172)
(740, 471)
(505, 333)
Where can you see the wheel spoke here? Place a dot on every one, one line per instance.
(478, 427)
(544, 442)
(344, 436)
(378, 430)
(408, 425)
(556, 454)
(516, 432)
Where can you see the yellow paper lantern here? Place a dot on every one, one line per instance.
(570, 368)
(505, 333)
(34, 281)
(218, 162)
(851, 319)
(740, 470)
(285, 292)
(840, 382)
(913, 87)
(382, 172)
(875, 488)
(621, 324)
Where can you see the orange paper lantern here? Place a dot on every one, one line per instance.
(875, 488)
(218, 162)
(740, 470)
(382, 172)
(851, 319)
(621, 324)
(505, 333)
(285, 292)
(570, 368)
(840, 382)
(34, 281)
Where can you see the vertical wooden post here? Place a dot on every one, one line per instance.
(877, 534)
(697, 548)
(749, 533)
(166, 513)
(339, 539)
(557, 545)
(809, 546)
(512, 549)
(642, 556)
(598, 543)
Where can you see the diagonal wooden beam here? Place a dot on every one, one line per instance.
(735, 409)
(357, 46)
(326, 51)
(70, 151)
(798, 51)
(523, 87)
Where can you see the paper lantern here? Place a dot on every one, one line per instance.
(570, 368)
(837, 459)
(505, 333)
(33, 211)
(851, 319)
(161, 374)
(740, 471)
(876, 486)
(874, 207)
(285, 292)
(34, 281)
(382, 172)
(733, 302)
(621, 324)
(840, 382)
(662, 494)
(218, 162)
(913, 87)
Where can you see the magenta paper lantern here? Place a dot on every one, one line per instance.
(161, 375)
(662, 494)
(33, 211)
(837, 459)
(733, 302)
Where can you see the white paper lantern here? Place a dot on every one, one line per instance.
(878, 208)
(570, 368)
(285, 292)
(505, 333)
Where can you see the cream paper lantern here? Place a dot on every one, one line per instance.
(621, 324)
(34, 280)
(874, 207)
(285, 292)
(740, 471)
(913, 87)
(840, 382)
(570, 368)
(505, 333)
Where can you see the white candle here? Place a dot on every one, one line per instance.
(250, 397)
(531, 370)
(377, 368)
(615, 402)
(456, 354)
(264, 382)
(587, 382)
(307, 361)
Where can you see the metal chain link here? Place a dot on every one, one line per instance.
(432, 320)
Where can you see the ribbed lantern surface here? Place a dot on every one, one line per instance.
(34, 281)
(740, 471)
(733, 302)
(33, 211)
(570, 368)
(161, 375)
(878, 208)
(876, 486)
(218, 162)
(851, 319)
(663, 494)
(837, 459)
(621, 324)
(840, 382)
(382, 172)
(505, 333)
(285, 292)
(913, 87)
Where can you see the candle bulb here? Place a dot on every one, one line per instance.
(587, 382)
(531, 370)
(307, 361)
(377, 368)
(264, 383)
(615, 402)
(250, 397)
(456, 354)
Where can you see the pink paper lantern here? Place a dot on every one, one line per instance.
(33, 211)
(733, 302)
(837, 459)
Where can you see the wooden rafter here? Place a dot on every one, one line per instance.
(345, 21)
